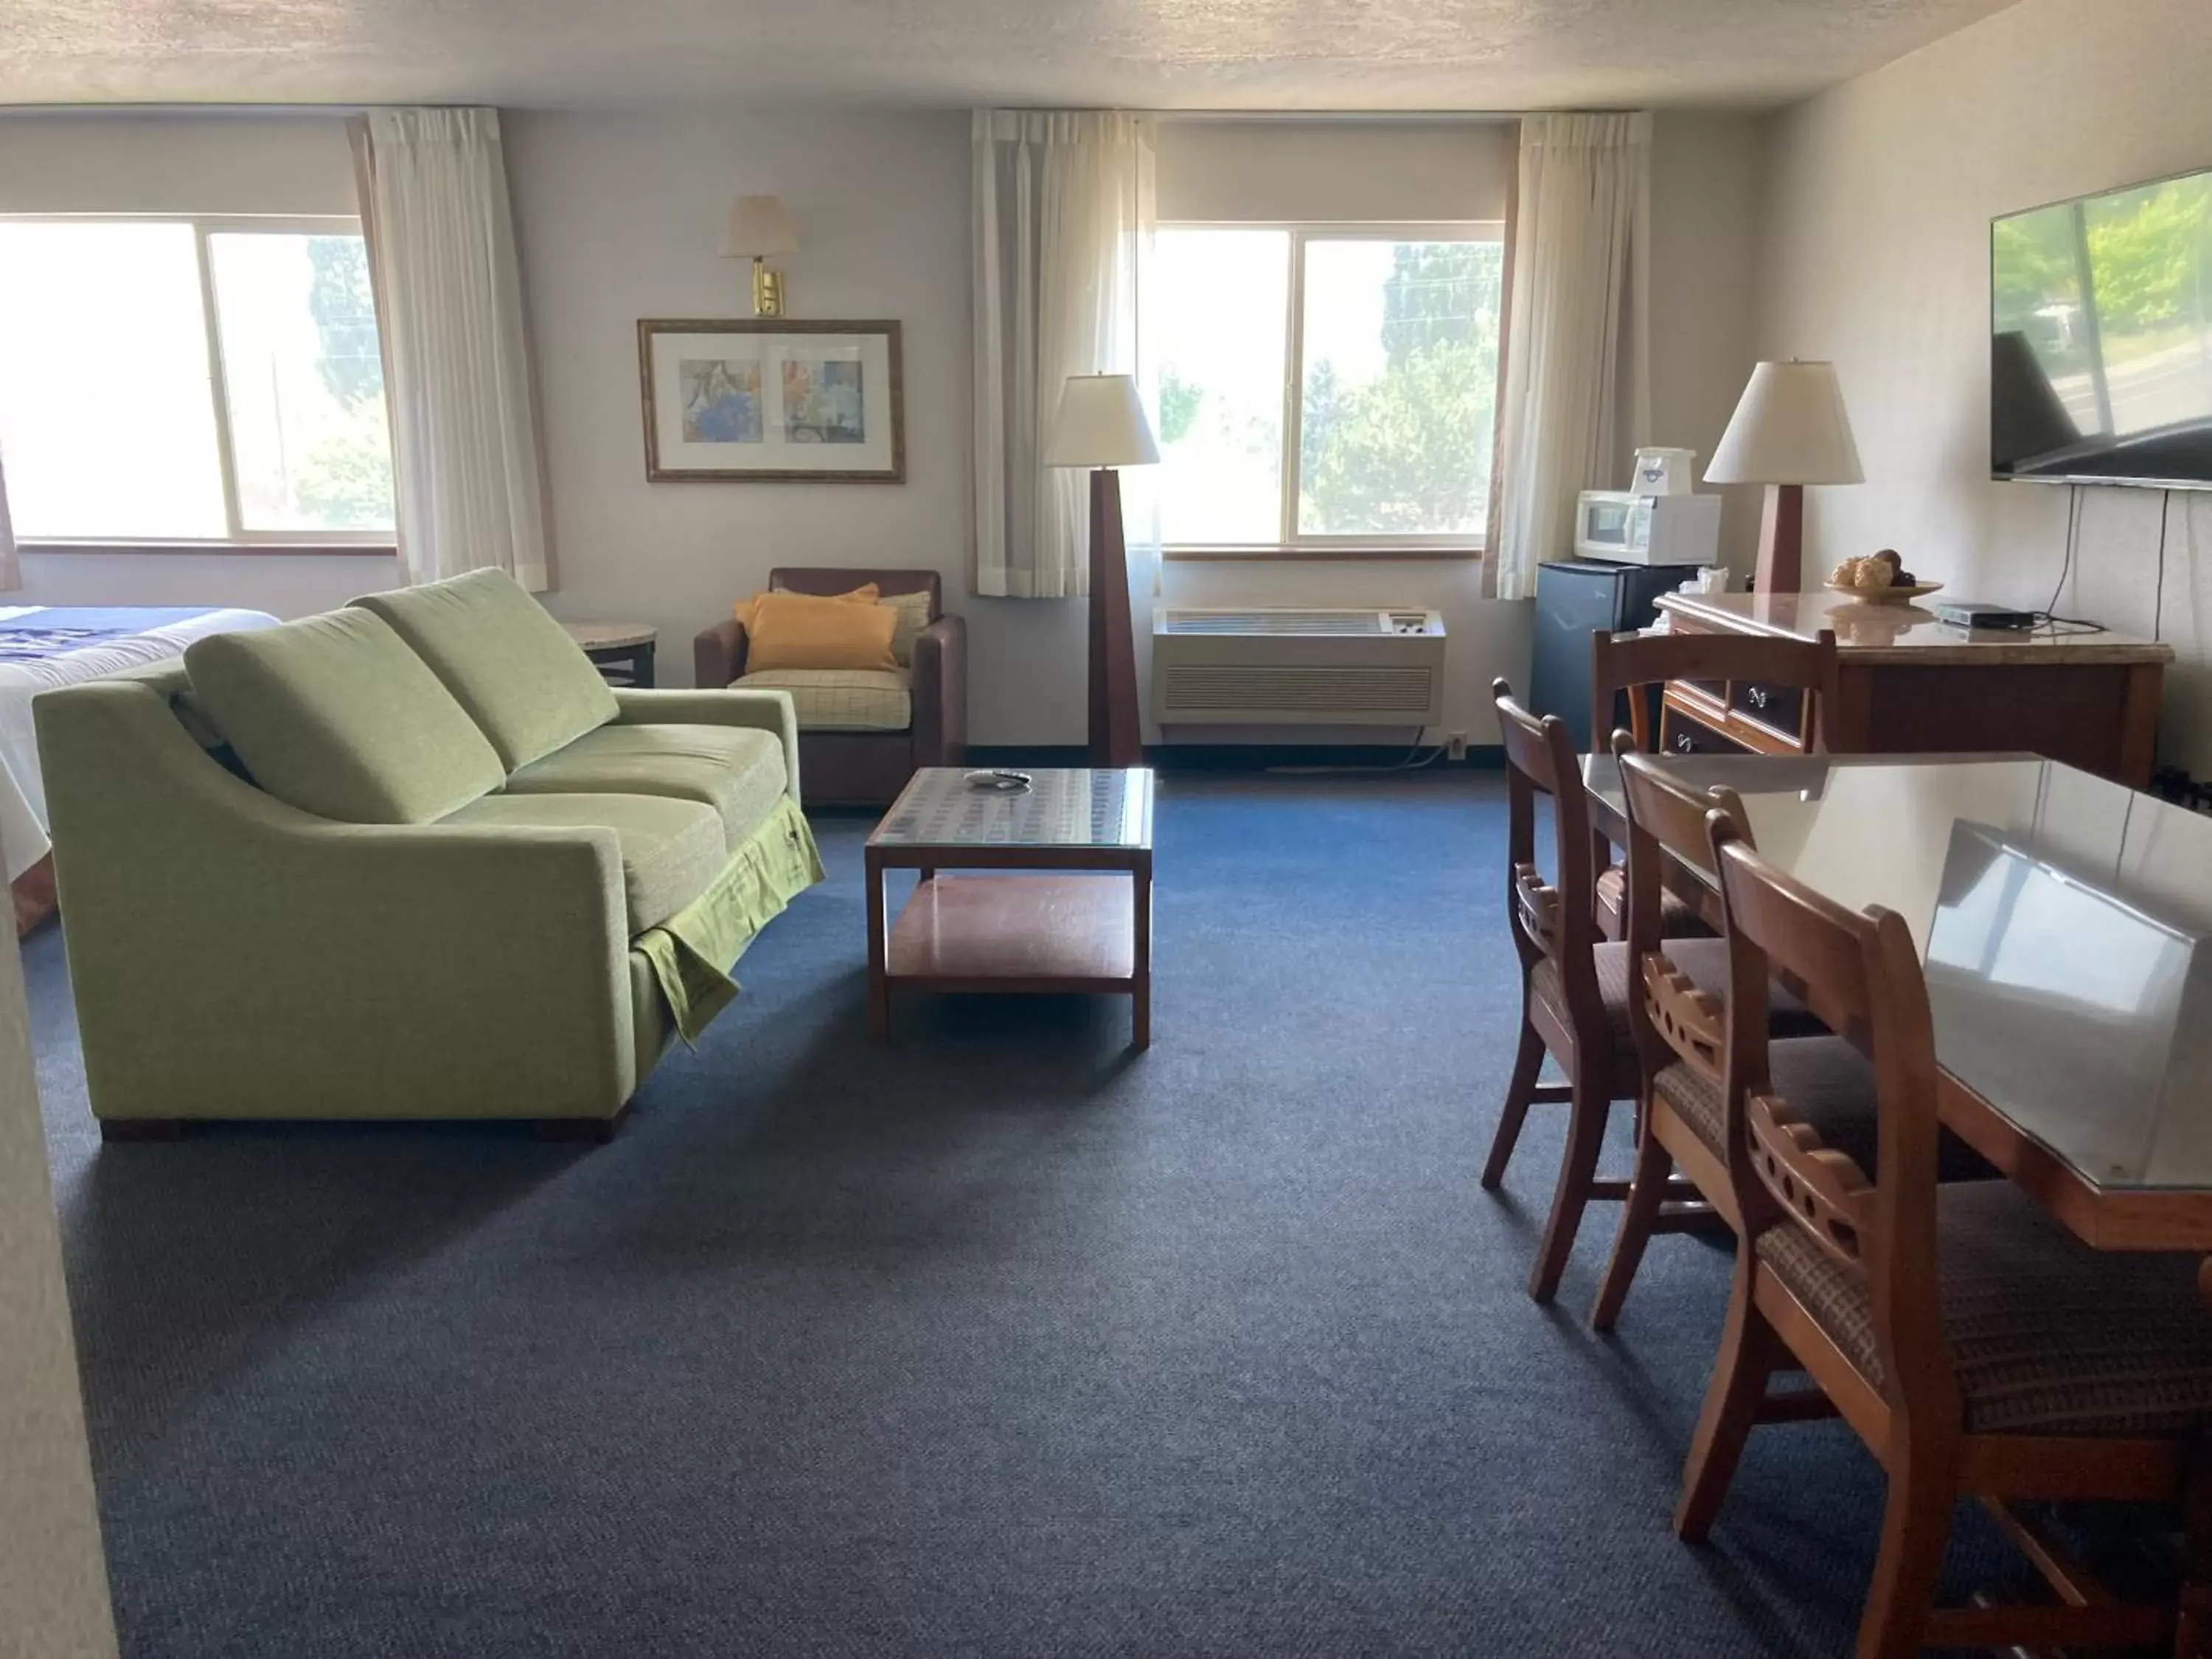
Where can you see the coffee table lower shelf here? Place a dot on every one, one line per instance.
(1045, 933)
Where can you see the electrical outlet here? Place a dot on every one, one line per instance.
(1455, 746)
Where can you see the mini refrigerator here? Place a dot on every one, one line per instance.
(1575, 598)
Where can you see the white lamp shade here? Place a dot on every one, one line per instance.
(1101, 423)
(1789, 428)
(759, 225)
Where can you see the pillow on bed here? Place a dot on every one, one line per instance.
(505, 659)
(336, 716)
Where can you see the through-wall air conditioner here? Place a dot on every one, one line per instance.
(1297, 666)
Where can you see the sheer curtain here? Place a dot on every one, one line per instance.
(1576, 345)
(1064, 216)
(449, 284)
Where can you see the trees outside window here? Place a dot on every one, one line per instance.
(1326, 388)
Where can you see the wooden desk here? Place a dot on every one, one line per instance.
(2062, 920)
(1908, 685)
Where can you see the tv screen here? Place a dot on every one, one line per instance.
(2100, 348)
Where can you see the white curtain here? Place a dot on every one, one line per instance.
(11, 568)
(1064, 219)
(448, 284)
(1575, 347)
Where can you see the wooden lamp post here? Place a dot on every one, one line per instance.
(1788, 431)
(1102, 426)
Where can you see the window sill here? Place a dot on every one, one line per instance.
(1362, 555)
(256, 549)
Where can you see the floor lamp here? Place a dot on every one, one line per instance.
(1789, 430)
(1102, 426)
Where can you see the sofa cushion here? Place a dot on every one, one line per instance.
(736, 769)
(335, 715)
(505, 659)
(842, 699)
(671, 849)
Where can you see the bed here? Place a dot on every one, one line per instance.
(46, 646)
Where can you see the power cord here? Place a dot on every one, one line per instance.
(2048, 620)
(1410, 763)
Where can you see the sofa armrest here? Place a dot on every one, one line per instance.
(770, 711)
(718, 654)
(235, 957)
(939, 685)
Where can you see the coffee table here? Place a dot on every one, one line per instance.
(1055, 914)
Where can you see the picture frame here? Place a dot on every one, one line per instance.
(771, 400)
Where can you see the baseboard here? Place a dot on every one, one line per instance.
(1235, 756)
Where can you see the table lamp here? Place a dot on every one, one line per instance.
(759, 226)
(1788, 431)
(1102, 426)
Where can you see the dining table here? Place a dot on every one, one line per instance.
(2064, 927)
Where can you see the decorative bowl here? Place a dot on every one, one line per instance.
(1885, 595)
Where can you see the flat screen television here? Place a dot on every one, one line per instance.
(2100, 337)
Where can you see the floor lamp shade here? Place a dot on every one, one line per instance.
(1789, 430)
(1102, 425)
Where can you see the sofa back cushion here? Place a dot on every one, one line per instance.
(505, 659)
(336, 716)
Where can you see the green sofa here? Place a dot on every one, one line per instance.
(411, 859)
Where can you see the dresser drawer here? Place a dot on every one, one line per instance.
(1680, 734)
(1780, 708)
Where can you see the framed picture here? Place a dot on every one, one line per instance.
(769, 400)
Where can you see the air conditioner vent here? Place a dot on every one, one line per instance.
(1370, 665)
(1378, 695)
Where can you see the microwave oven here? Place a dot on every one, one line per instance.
(1632, 529)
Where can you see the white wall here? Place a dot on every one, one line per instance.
(619, 215)
(53, 1584)
(237, 162)
(1878, 199)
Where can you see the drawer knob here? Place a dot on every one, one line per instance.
(1684, 743)
(1758, 697)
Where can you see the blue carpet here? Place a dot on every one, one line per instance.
(994, 1341)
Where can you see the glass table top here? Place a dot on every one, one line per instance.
(1060, 808)
(2064, 923)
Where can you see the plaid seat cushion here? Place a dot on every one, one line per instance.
(1827, 1081)
(1705, 962)
(2048, 1336)
(842, 699)
(1676, 919)
(1831, 1085)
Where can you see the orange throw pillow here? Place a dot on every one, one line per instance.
(793, 631)
(866, 594)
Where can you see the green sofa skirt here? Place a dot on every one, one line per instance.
(680, 971)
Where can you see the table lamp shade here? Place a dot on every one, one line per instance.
(1789, 427)
(1101, 423)
(759, 225)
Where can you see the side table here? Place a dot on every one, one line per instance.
(623, 651)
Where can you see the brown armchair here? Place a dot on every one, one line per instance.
(855, 766)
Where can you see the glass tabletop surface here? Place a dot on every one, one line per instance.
(1060, 808)
(2064, 923)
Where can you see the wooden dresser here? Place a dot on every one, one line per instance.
(1909, 684)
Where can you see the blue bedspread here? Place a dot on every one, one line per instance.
(51, 630)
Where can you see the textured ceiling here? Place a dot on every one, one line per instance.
(1319, 54)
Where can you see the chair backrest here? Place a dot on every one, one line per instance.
(1860, 973)
(1555, 922)
(1632, 662)
(1666, 818)
(832, 581)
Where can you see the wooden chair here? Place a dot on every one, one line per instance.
(1978, 1348)
(1797, 676)
(1679, 1030)
(1576, 989)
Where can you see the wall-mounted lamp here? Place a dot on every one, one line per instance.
(757, 226)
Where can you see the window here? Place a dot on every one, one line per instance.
(183, 380)
(1325, 389)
